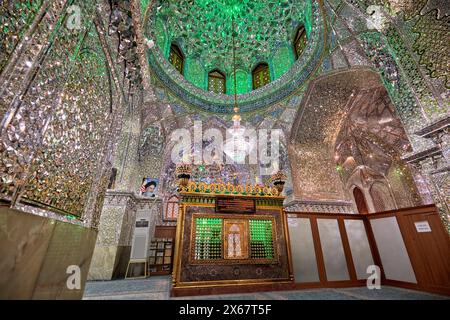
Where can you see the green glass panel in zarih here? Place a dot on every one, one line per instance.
(208, 238)
(261, 239)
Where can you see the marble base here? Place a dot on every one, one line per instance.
(103, 263)
(109, 262)
(36, 252)
(123, 256)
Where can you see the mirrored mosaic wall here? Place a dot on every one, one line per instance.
(388, 37)
(67, 94)
(61, 106)
(15, 18)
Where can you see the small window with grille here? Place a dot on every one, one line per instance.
(299, 41)
(216, 82)
(261, 75)
(176, 58)
(172, 209)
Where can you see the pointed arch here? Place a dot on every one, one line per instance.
(172, 206)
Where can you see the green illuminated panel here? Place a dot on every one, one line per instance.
(261, 239)
(208, 239)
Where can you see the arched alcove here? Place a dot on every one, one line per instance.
(347, 121)
(360, 200)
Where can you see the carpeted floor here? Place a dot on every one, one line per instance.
(157, 288)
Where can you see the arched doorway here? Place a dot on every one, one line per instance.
(360, 201)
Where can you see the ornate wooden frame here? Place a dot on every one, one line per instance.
(244, 233)
(232, 218)
(265, 199)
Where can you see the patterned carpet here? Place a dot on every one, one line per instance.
(157, 288)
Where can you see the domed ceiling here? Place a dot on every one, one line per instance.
(264, 31)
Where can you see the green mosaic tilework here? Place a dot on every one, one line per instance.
(243, 80)
(282, 61)
(204, 30)
(195, 73)
(161, 37)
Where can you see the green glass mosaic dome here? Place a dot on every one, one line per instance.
(264, 31)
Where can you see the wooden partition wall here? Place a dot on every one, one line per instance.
(410, 246)
(321, 251)
(422, 239)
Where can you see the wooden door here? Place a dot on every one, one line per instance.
(428, 245)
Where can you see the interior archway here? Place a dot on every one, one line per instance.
(360, 201)
(366, 133)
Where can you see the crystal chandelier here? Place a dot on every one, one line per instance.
(236, 146)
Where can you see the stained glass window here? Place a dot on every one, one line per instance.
(261, 75)
(216, 82)
(261, 239)
(172, 208)
(176, 58)
(300, 41)
(208, 238)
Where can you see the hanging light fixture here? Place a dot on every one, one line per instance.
(236, 116)
(236, 147)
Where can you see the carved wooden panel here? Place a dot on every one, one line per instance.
(235, 239)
